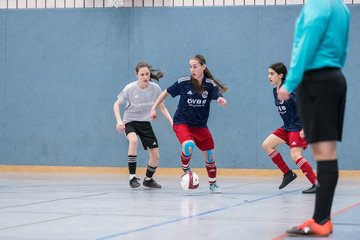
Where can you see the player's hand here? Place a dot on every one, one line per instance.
(153, 114)
(283, 94)
(222, 101)
(120, 127)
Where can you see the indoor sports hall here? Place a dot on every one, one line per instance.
(64, 167)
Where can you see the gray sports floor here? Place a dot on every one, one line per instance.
(102, 206)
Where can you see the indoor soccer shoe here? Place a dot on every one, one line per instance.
(311, 228)
(214, 188)
(288, 178)
(134, 182)
(151, 183)
(310, 190)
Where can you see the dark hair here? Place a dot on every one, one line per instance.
(279, 68)
(199, 88)
(154, 73)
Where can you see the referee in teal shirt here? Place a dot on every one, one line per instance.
(318, 55)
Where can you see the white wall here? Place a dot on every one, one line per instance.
(11, 4)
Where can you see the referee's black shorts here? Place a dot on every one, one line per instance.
(321, 98)
(145, 133)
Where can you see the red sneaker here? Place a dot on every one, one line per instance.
(311, 228)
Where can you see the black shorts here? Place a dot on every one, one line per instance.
(145, 133)
(321, 98)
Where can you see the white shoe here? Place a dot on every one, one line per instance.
(214, 188)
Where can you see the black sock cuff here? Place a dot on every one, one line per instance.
(327, 166)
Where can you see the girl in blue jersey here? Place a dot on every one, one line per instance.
(290, 133)
(190, 120)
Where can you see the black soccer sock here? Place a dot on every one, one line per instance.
(327, 177)
(132, 163)
(150, 171)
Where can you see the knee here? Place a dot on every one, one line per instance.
(210, 156)
(266, 146)
(133, 141)
(188, 148)
(295, 155)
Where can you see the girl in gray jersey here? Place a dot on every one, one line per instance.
(139, 96)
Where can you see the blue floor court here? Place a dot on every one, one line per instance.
(49, 206)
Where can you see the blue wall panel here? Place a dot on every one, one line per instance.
(349, 147)
(62, 71)
(2, 82)
(64, 68)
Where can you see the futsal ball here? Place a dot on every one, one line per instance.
(189, 180)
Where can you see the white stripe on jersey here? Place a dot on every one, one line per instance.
(182, 79)
(208, 80)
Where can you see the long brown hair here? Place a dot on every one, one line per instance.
(155, 74)
(198, 87)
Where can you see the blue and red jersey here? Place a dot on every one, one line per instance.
(193, 108)
(288, 112)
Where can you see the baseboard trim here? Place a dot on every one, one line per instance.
(160, 171)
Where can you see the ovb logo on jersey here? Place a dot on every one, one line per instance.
(205, 94)
(196, 102)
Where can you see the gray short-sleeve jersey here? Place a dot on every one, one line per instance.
(138, 101)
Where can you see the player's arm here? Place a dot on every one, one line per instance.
(219, 97)
(120, 126)
(159, 101)
(166, 113)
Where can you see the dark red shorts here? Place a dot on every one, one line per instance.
(292, 139)
(201, 136)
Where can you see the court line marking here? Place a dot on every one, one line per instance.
(44, 221)
(339, 212)
(193, 216)
(53, 200)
